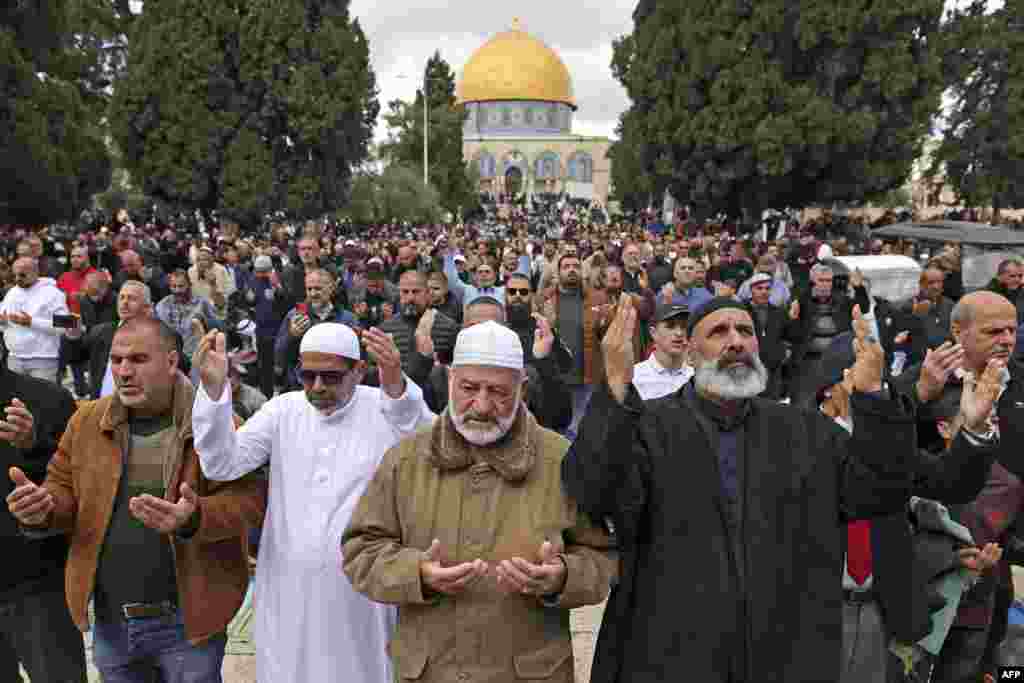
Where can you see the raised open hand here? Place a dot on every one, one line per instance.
(30, 503)
(939, 365)
(617, 347)
(870, 364)
(980, 395)
(18, 427)
(211, 359)
(543, 337)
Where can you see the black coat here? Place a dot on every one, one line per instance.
(684, 608)
(844, 316)
(771, 337)
(901, 575)
(31, 565)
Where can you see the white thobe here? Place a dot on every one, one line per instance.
(310, 625)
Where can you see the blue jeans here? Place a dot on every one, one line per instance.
(580, 400)
(130, 650)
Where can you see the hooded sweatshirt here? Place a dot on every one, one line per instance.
(40, 340)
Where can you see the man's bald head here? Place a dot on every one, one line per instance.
(985, 324)
(25, 271)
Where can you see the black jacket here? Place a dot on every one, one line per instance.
(659, 273)
(416, 366)
(891, 322)
(771, 336)
(684, 602)
(98, 312)
(844, 316)
(1016, 298)
(31, 565)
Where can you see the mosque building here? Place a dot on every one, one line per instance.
(519, 105)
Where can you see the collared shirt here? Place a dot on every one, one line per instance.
(653, 380)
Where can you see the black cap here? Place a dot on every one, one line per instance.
(712, 305)
(838, 358)
(665, 312)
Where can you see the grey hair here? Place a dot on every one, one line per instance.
(820, 268)
(147, 295)
(962, 314)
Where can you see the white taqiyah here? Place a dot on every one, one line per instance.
(333, 338)
(490, 344)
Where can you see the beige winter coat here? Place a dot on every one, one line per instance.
(493, 503)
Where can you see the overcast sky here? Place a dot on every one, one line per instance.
(404, 34)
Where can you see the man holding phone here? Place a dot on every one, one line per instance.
(27, 317)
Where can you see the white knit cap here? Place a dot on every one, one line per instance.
(490, 344)
(333, 338)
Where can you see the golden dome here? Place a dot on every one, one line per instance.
(515, 66)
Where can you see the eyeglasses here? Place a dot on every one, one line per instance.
(525, 291)
(329, 378)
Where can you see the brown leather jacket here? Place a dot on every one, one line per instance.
(84, 476)
(593, 360)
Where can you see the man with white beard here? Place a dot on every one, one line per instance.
(731, 506)
(467, 529)
(323, 445)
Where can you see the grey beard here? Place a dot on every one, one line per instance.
(732, 384)
(486, 436)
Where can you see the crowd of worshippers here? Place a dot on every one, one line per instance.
(429, 448)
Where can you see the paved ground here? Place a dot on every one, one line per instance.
(240, 665)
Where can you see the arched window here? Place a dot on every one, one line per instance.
(487, 165)
(581, 167)
(546, 167)
(514, 158)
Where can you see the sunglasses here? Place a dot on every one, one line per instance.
(525, 291)
(329, 378)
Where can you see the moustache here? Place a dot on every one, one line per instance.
(731, 359)
(478, 418)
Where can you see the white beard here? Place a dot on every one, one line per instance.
(732, 384)
(483, 436)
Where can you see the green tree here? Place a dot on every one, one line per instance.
(981, 151)
(447, 168)
(742, 106)
(635, 187)
(52, 152)
(246, 106)
(396, 194)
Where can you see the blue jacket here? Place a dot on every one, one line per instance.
(286, 347)
(269, 307)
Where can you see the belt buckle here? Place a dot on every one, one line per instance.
(155, 611)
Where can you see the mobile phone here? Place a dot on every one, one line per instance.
(65, 321)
